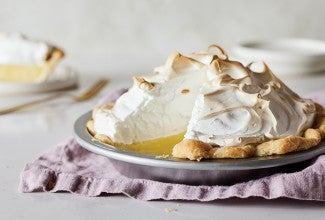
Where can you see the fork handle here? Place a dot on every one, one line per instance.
(29, 104)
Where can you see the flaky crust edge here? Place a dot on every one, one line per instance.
(197, 150)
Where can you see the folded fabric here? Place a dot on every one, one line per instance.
(71, 168)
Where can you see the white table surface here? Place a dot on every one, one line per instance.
(24, 135)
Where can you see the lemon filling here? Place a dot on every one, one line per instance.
(21, 73)
(157, 147)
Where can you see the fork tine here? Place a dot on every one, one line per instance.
(101, 84)
(92, 91)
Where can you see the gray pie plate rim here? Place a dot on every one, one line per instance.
(86, 141)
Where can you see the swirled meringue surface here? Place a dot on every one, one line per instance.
(238, 106)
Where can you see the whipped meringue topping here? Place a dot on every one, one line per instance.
(238, 106)
(17, 49)
(157, 105)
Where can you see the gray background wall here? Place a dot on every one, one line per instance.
(99, 35)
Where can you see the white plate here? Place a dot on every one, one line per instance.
(285, 56)
(62, 78)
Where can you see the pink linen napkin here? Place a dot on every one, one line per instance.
(71, 168)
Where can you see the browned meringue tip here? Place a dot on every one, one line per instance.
(177, 61)
(221, 54)
(259, 67)
(172, 58)
(142, 83)
(265, 70)
(222, 66)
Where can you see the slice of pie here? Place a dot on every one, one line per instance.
(242, 113)
(24, 60)
(153, 115)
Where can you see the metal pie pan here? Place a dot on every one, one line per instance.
(207, 172)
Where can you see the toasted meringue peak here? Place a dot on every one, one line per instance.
(219, 52)
(214, 52)
(143, 84)
(157, 105)
(178, 62)
(238, 106)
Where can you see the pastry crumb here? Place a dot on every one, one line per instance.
(170, 210)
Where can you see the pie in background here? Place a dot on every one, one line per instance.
(26, 61)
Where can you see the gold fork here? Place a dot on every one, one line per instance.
(88, 94)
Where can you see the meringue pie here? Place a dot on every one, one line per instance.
(204, 105)
(25, 60)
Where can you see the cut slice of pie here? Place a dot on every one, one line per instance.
(153, 115)
(242, 113)
(24, 60)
